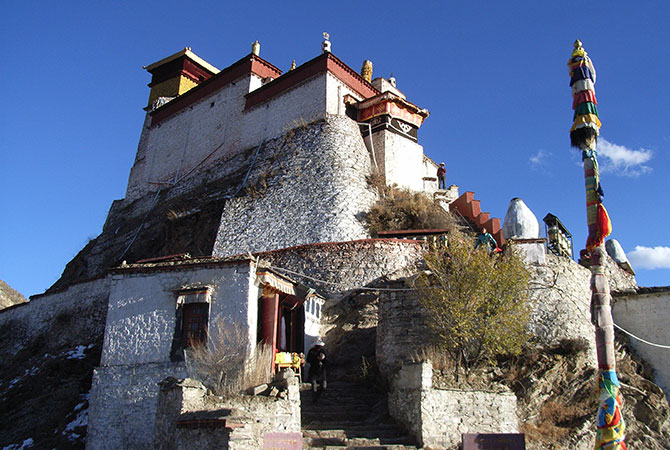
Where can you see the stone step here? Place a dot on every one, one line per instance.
(358, 441)
(349, 416)
(382, 431)
(374, 447)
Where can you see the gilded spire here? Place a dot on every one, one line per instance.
(366, 70)
(579, 50)
(292, 65)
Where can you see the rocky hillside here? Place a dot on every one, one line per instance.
(555, 385)
(9, 296)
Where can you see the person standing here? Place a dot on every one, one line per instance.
(486, 239)
(316, 357)
(441, 172)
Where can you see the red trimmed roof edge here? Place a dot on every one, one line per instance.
(323, 244)
(326, 62)
(247, 64)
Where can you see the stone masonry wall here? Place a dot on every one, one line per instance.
(647, 315)
(85, 302)
(401, 329)
(306, 186)
(317, 193)
(247, 418)
(337, 268)
(123, 405)
(560, 296)
(438, 417)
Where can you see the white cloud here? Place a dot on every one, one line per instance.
(650, 258)
(538, 159)
(620, 159)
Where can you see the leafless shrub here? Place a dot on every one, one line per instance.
(399, 209)
(439, 358)
(223, 365)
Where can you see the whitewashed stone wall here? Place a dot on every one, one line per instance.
(140, 327)
(123, 402)
(141, 316)
(438, 417)
(338, 268)
(86, 301)
(647, 315)
(319, 196)
(401, 160)
(561, 296)
(253, 416)
(172, 148)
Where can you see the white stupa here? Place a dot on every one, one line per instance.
(520, 222)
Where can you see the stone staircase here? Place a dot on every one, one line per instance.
(350, 416)
(470, 210)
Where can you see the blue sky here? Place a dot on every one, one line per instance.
(492, 74)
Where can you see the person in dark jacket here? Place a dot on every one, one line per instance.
(441, 172)
(316, 357)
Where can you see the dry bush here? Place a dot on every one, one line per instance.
(440, 359)
(403, 210)
(223, 365)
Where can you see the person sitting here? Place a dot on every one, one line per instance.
(316, 357)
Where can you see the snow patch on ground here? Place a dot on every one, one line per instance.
(79, 352)
(80, 419)
(28, 443)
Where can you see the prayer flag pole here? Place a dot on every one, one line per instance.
(584, 136)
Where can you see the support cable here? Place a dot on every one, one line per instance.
(365, 288)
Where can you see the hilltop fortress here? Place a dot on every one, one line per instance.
(246, 202)
(259, 160)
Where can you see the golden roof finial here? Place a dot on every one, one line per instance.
(366, 70)
(292, 65)
(579, 50)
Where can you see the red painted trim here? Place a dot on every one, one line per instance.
(245, 66)
(413, 232)
(326, 62)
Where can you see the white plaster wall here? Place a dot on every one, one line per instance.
(141, 315)
(174, 147)
(430, 170)
(179, 143)
(138, 337)
(402, 160)
(647, 316)
(335, 92)
(303, 103)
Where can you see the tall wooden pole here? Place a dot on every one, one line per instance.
(584, 135)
